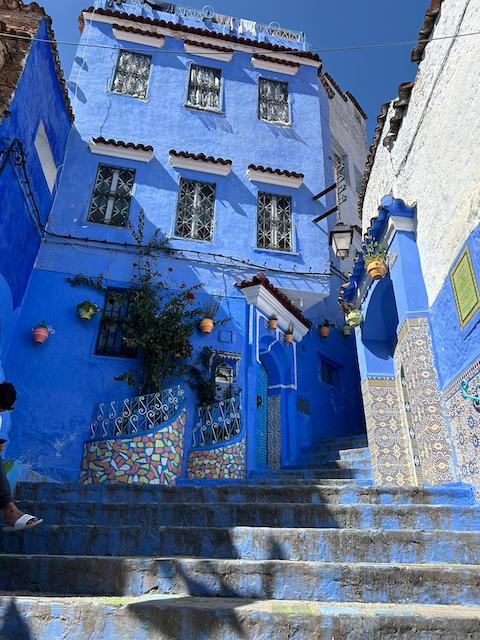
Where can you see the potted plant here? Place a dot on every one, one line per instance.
(375, 256)
(347, 330)
(40, 332)
(209, 312)
(289, 335)
(87, 309)
(273, 322)
(324, 328)
(354, 318)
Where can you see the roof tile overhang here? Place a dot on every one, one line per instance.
(276, 65)
(332, 88)
(307, 57)
(279, 177)
(274, 302)
(24, 20)
(199, 162)
(207, 50)
(138, 36)
(120, 149)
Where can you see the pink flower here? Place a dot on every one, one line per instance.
(190, 295)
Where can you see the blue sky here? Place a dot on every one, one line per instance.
(372, 75)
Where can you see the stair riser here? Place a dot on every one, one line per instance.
(147, 621)
(266, 515)
(327, 545)
(322, 458)
(356, 466)
(226, 579)
(245, 494)
(313, 474)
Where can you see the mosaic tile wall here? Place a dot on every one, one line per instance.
(391, 457)
(464, 418)
(414, 353)
(274, 432)
(226, 463)
(149, 458)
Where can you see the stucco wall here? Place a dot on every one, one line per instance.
(434, 161)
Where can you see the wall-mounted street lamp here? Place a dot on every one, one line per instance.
(341, 238)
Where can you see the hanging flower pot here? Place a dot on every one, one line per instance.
(273, 323)
(376, 268)
(324, 329)
(87, 309)
(347, 330)
(206, 325)
(354, 318)
(288, 338)
(40, 333)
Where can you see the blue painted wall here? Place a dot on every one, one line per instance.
(62, 380)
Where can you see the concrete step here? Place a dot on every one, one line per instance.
(316, 473)
(217, 514)
(242, 493)
(172, 618)
(255, 579)
(349, 442)
(352, 455)
(357, 465)
(254, 543)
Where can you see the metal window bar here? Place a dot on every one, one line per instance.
(217, 422)
(132, 74)
(195, 210)
(273, 103)
(135, 415)
(110, 337)
(274, 222)
(110, 203)
(204, 87)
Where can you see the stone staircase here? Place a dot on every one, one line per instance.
(307, 552)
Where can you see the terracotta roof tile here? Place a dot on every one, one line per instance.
(382, 116)
(262, 279)
(328, 82)
(426, 30)
(124, 145)
(201, 32)
(400, 105)
(140, 32)
(279, 172)
(199, 156)
(206, 45)
(287, 63)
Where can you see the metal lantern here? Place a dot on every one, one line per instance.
(341, 238)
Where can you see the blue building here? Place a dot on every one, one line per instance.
(33, 139)
(215, 133)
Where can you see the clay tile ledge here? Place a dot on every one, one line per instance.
(260, 292)
(120, 149)
(280, 177)
(206, 50)
(199, 162)
(138, 36)
(275, 64)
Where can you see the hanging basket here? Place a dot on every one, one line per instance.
(206, 325)
(324, 330)
(354, 318)
(377, 268)
(40, 334)
(347, 330)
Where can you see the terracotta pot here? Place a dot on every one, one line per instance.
(288, 338)
(40, 334)
(354, 318)
(273, 323)
(347, 330)
(377, 268)
(324, 331)
(86, 314)
(206, 325)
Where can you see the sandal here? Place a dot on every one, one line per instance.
(22, 524)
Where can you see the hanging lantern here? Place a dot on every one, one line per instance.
(341, 238)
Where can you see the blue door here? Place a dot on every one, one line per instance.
(261, 417)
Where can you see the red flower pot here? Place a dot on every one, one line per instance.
(39, 334)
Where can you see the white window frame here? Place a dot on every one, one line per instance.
(276, 248)
(189, 104)
(115, 69)
(276, 122)
(45, 156)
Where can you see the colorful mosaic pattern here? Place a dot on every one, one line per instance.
(149, 458)
(225, 463)
(414, 353)
(392, 461)
(465, 423)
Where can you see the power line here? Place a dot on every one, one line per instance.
(375, 45)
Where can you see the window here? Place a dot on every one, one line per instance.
(111, 196)
(303, 406)
(274, 223)
(195, 210)
(340, 162)
(132, 74)
(273, 101)
(45, 155)
(110, 338)
(204, 88)
(329, 373)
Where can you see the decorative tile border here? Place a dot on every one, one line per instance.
(226, 463)
(469, 374)
(149, 458)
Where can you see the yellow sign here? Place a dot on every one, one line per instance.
(465, 288)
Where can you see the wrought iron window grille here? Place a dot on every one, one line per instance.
(135, 415)
(132, 74)
(110, 203)
(204, 88)
(218, 422)
(195, 210)
(274, 222)
(273, 102)
(110, 340)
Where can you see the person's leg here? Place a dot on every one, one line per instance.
(10, 509)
